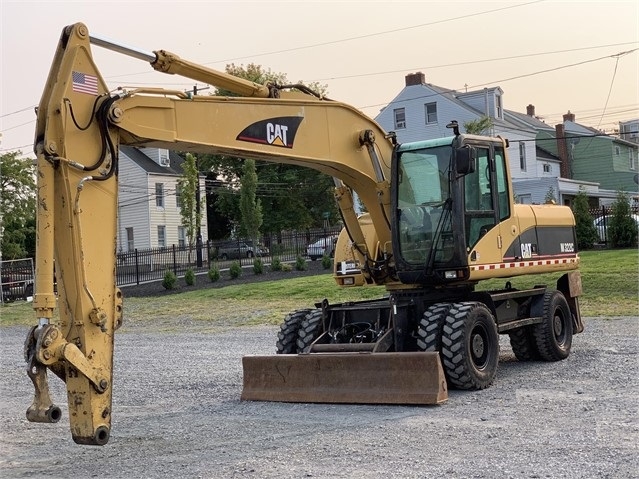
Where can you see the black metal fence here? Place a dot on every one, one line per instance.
(141, 266)
(602, 216)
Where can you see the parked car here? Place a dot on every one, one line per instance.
(603, 222)
(321, 247)
(240, 249)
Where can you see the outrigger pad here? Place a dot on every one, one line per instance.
(355, 378)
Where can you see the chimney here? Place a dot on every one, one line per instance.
(562, 150)
(530, 110)
(569, 117)
(415, 79)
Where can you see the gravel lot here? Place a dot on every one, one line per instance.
(177, 414)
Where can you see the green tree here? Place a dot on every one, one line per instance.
(584, 226)
(17, 206)
(481, 126)
(292, 197)
(250, 206)
(550, 196)
(188, 185)
(622, 230)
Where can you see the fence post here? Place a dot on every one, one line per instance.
(137, 267)
(174, 260)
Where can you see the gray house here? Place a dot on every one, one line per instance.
(149, 199)
(539, 171)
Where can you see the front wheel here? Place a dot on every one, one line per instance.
(554, 334)
(470, 346)
(309, 331)
(289, 331)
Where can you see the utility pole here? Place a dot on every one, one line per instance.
(198, 238)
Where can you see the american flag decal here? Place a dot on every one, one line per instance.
(83, 83)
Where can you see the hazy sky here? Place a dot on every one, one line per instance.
(360, 49)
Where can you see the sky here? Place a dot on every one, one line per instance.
(581, 56)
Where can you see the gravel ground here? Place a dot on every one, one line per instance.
(178, 414)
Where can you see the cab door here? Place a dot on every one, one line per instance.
(486, 205)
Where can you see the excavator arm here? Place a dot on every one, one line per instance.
(80, 127)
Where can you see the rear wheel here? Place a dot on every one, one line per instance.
(309, 331)
(224, 256)
(429, 329)
(249, 254)
(524, 344)
(470, 346)
(289, 331)
(554, 334)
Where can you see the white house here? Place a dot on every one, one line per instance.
(149, 200)
(421, 111)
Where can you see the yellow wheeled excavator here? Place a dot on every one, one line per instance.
(440, 218)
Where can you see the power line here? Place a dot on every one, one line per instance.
(359, 37)
(446, 65)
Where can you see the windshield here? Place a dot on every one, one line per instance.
(423, 210)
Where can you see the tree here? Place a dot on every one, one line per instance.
(622, 230)
(17, 205)
(584, 226)
(291, 197)
(189, 185)
(550, 196)
(481, 126)
(250, 207)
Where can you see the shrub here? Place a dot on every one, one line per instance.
(189, 277)
(326, 261)
(584, 226)
(235, 270)
(286, 267)
(214, 274)
(276, 264)
(169, 279)
(258, 266)
(300, 263)
(622, 231)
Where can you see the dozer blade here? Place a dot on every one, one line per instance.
(355, 378)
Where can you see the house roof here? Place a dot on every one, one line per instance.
(150, 166)
(545, 154)
(527, 120)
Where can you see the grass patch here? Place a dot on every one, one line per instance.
(610, 282)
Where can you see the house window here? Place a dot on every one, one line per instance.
(633, 160)
(159, 195)
(161, 236)
(617, 150)
(431, 113)
(522, 156)
(400, 118)
(181, 236)
(178, 195)
(129, 239)
(498, 113)
(547, 168)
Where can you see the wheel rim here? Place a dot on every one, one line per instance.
(559, 329)
(479, 347)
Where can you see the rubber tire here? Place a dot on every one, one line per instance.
(288, 333)
(224, 257)
(524, 344)
(313, 258)
(309, 330)
(249, 254)
(429, 329)
(467, 367)
(554, 334)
